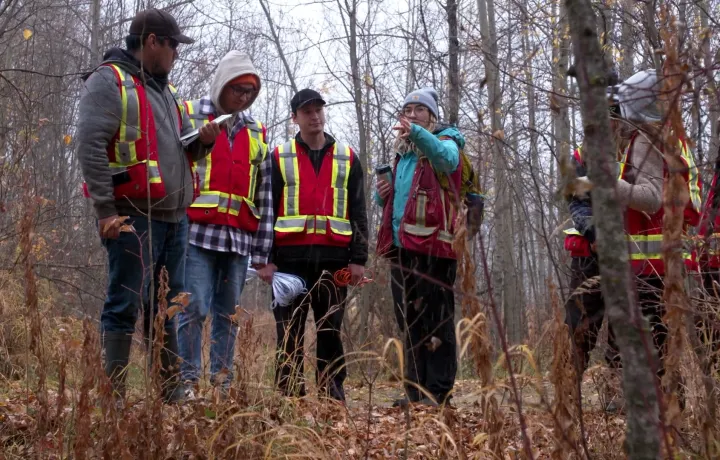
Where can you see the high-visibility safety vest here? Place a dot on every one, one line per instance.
(708, 248)
(314, 208)
(132, 152)
(428, 222)
(644, 233)
(226, 180)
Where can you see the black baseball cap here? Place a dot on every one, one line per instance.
(304, 96)
(158, 22)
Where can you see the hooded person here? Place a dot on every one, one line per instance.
(130, 124)
(637, 123)
(416, 233)
(231, 219)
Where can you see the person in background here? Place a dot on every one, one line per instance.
(129, 129)
(416, 234)
(639, 188)
(320, 229)
(231, 219)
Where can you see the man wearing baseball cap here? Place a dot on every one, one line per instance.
(320, 229)
(137, 174)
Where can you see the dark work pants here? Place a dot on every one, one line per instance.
(425, 309)
(328, 304)
(585, 310)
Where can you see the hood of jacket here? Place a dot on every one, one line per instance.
(446, 129)
(231, 66)
(129, 63)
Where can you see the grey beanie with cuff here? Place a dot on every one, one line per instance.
(425, 96)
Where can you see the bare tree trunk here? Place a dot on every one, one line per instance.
(626, 37)
(504, 255)
(278, 45)
(95, 32)
(653, 37)
(642, 440)
(453, 71)
(351, 10)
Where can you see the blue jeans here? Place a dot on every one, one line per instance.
(215, 280)
(129, 265)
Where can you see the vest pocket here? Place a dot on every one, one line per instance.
(287, 226)
(136, 187)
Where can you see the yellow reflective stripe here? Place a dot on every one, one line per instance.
(572, 231)
(340, 173)
(623, 162)
(693, 177)
(257, 152)
(191, 111)
(129, 131)
(289, 169)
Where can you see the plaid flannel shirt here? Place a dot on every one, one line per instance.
(225, 238)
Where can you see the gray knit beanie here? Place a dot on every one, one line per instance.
(425, 96)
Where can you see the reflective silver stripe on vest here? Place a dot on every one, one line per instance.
(153, 169)
(292, 193)
(293, 223)
(132, 128)
(341, 171)
(207, 200)
(341, 227)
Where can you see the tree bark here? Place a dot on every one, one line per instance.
(453, 69)
(278, 45)
(642, 440)
(504, 255)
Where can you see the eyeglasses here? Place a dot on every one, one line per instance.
(241, 91)
(418, 110)
(172, 43)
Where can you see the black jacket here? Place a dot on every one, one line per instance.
(357, 253)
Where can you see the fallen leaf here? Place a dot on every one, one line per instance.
(67, 139)
(174, 310)
(27, 33)
(183, 299)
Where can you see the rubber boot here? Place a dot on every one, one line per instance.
(116, 347)
(173, 388)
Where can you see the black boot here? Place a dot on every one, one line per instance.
(173, 391)
(116, 346)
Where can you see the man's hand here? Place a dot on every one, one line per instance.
(383, 189)
(109, 227)
(404, 128)
(357, 273)
(266, 272)
(209, 132)
(593, 247)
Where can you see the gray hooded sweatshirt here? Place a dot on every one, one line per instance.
(99, 119)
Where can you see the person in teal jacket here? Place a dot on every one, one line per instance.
(422, 281)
